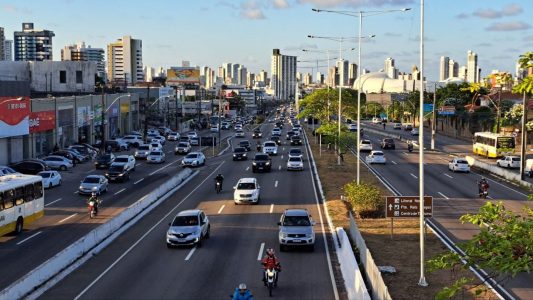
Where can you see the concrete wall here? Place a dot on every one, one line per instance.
(46, 76)
(14, 70)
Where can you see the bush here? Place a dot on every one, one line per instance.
(366, 199)
(259, 119)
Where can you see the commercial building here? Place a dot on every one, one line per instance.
(453, 68)
(8, 50)
(79, 52)
(472, 72)
(390, 69)
(125, 61)
(352, 74)
(343, 72)
(2, 43)
(283, 81)
(33, 44)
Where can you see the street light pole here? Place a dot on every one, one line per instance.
(523, 139)
(339, 117)
(434, 119)
(358, 140)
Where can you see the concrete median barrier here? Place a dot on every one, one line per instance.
(353, 280)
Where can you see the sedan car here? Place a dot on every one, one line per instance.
(459, 164)
(173, 136)
(50, 178)
(182, 148)
(193, 159)
(388, 143)
(214, 129)
(257, 134)
(156, 157)
(295, 152)
(97, 183)
(30, 166)
(142, 151)
(192, 134)
(58, 162)
(104, 160)
(296, 229)
(246, 191)
(509, 162)
(295, 163)
(296, 140)
(261, 162)
(239, 133)
(376, 157)
(290, 134)
(365, 145)
(189, 227)
(239, 153)
(352, 127)
(414, 132)
(118, 172)
(397, 126)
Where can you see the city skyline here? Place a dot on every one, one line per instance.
(497, 31)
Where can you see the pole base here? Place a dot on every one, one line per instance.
(422, 282)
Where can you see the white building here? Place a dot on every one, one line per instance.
(79, 52)
(149, 74)
(472, 74)
(352, 73)
(241, 75)
(343, 72)
(463, 72)
(283, 81)
(444, 68)
(390, 69)
(8, 50)
(124, 61)
(453, 68)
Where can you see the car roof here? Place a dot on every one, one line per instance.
(94, 176)
(123, 156)
(247, 180)
(189, 212)
(296, 212)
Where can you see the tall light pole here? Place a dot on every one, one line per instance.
(359, 14)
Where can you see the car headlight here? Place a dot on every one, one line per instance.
(283, 235)
(136, 153)
(234, 155)
(244, 154)
(80, 187)
(254, 163)
(267, 163)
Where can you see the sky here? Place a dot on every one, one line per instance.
(211, 32)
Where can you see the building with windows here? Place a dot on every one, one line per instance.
(352, 74)
(444, 68)
(125, 61)
(390, 69)
(342, 70)
(283, 81)
(33, 44)
(8, 50)
(2, 43)
(472, 70)
(79, 52)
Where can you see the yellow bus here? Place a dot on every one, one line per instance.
(21, 201)
(493, 145)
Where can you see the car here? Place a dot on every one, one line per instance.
(50, 178)
(296, 229)
(388, 143)
(246, 191)
(70, 156)
(276, 131)
(156, 156)
(118, 172)
(160, 138)
(238, 126)
(182, 148)
(376, 120)
(90, 183)
(137, 133)
(142, 151)
(29, 166)
(352, 127)
(257, 134)
(184, 139)
(192, 134)
(5, 170)
(81, 153)
(239, 153)
(152, 136)
(193, 159)
(225, 126)
(116, 145)
(295, 152)
(279, 124)
(509, 162)
(261, 162)
(397, 126)
(290, 134)
(459, 164)
(297, 131)
(189, 227)
(407, 126)
(133, 140)
(365, 145)
(296, 140)
(414, 132)
(85, 149)
(376, 157)
(239, 133)
(152, 131)
(57, 162)
(128, 160)
(270, 148)
(277, 139)
(173, 136)
(246, 145)
(194, 141)
(104, 160)
(164, 131)
(155, 145)
(295, 163)
(214, 129)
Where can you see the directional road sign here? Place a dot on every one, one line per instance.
(408, 206)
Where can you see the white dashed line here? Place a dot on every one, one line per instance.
(170, 151)
(53, 202)
(33, 235)
(76, 192)
(282, 157)
(260, 255)
(271, 208)
(279, 168)
(405, 153)
(122, 190)
(190, 253)
(490, 197)
(221, 208)
(447, 175)
(247, 168)
(276, 184)
(413, 175)
(90, 171)
(71, 216)
(138, 181)
(394, 162)
(138, 164)
(444, 196)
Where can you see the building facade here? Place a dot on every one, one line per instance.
(124, 61)
(33, 44)
(79, 52)
(8, 50)
(444, 68)
(472, 67)
(343, 72)
(453, 68)
(2, 44)
(390, 69)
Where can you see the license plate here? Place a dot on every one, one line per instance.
(296, 241)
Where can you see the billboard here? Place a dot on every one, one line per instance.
(42, 121)
(182, 75)
(14, 116)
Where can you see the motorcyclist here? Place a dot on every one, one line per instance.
(219, 178)
(270, 261)
(410, 145)
(258, 146)
(95, 201)
(242, 293)
(483, 185)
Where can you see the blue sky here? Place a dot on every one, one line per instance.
(210, 32)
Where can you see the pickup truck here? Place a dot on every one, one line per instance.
(270, 148)
(127, 160)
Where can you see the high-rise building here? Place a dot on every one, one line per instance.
(235, 73)
(342, 69)
(308, 79)
(2, 43)
(8, 50)
(283, 81)
(125, 61)
(463, 73)
(319, 78)
(444, 68)
(333, 78)
(352, 73)
(228, 69)
(149, 74)
(241, 75)
(33, 44)
(390, 69)
(209, 77)
(221, 74)
(250, 79)
(472, 67)
(263, 76)
(80, 52)
(453, 68)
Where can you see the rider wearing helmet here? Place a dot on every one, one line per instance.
(94, 199)
(242, 293)
(219, 178)
(270, 261)
(482, 185)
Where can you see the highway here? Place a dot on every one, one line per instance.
(140, 266)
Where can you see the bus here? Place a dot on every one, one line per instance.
(493, 145)
(21, 201)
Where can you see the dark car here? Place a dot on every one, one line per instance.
(79, 157)
(116, 146)
(262, 162)
(257, 134)
(290, 134)
(279, 124)
(104, 160)
(245, 144)
(83, 150)
(30, 167)
(388, 144)
(276, 139)
(118, 172)
(239, 153)
(296, 140)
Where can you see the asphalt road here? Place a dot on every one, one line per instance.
(140, 266)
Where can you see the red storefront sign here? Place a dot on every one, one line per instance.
(42, 121)
(14, 114)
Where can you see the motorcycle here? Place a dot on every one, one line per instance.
(270, 275)
(218, 186)
(92, 209)
(484, 193)
(410, 147)
(258, 148)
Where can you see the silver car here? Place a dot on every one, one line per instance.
(97, 183)
(143, 151)
(189, 227)
(296, 229)
(193, 159)
(58, 162)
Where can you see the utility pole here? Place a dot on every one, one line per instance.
(434, 118)
(103, 121)
(523, 140)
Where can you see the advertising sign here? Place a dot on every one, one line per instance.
(84, 116)
(407, 206)
(446, 110)
(181, 75)
(42, 121)
(14, 116)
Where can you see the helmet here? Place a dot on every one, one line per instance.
(242, 286)
(219, 175)
(94, 194)
(270, 252)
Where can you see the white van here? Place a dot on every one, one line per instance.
(376, 120)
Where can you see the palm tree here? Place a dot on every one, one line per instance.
(526, 61)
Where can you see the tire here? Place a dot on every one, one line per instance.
(208, 233)
(270, 290)
(59, 183)
(50, 185)
(63, 168)
(19, 226)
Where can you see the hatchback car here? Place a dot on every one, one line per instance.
(182, 148)
(295, 163)
(50, 178)
(97, 183)
(509, 162)
(58, 162)
(104, 160)
(246, 191)
(296, 229)
(239, 153)
(376, 157)
(459, 164)
(193, 159)
(365, 145)
(388, 143)
(156, 157)
(189, 227)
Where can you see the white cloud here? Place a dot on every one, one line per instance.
(508, 26)
(529, 38)
(509, 10)
(280, 4)
(461, 16)
(354, 3)
(251, 10)
(14, 9)
(512, 9)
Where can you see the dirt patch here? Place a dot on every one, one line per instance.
(402, 251)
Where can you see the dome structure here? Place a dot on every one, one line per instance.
(379, 82)
(456, 80)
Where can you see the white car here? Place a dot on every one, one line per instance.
(365, 145)
(192, 134)
(173, 136)
(296, 152)
(143, 151)
(182, 148)
(459, 164)
(239, 133)
(270, 148)
(352, 127)
(50, 178)
(238, 127)
(276, 131)
(295, 163)
(156, 157)
(195, 141)
(246, 191)
(133, 140)
(127, 160)
(397, 126)
(214, 129)
(193, 159)
(160, 138)
(155, 145)
(376, 120)
(509, 162)
(58, 162)
(376, 157)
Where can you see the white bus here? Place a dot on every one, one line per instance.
(493, 145)
(21, 201)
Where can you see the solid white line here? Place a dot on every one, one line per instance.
(221, 208)
(159, 169)
(75, 192)
(413, 175)
(53, 202)
(90, 171)
(190, 253)
(145, 234)
(271, 208)
(394, 162)
(33, 235)
(490, 197)
(122, 190)
(276, 184)
(247, 168)
(138, 181)
(447, 175)
(71, 216)
(260, 255)
(444, 196)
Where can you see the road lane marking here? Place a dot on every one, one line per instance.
(271, 208)
(76, 192)
(122, 190)
(413, 175)
(221, 208)
(71, 216)
(31, 236)
(159, 169)
(138, 181)
(447, 175)
(247, 168)
(90, 171)
(190, 253)
(405, 153)
(260, 255)
(276, 184)
(169, 151)
(489, 197)
(444, 196)
(394, 162)
(281, 157)
(138, 164)
(279, 168)
(53, 202)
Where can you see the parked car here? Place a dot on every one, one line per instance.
(128, 160)
(239, 153)
(104, 160)
(116, 145)
(31, 167)
(414, 132)
(261, 162)
(376, 157)
(459, 164)
(296, 229)
(388, 143)
(156, 156)
(68, 155)
(90, 183)
(82, 152)
(295, 163)
(246, 191)
(58, 162)
(407, 126)
(189, 227)
(50, 178)
(5, 170)
(142, 151)
(509, 162)
(193, 159)
(118, 172)
(182, 148)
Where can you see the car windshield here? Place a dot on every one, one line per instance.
(121, 159)
(270, 144)
(378, 154)
(261, 157)
(116, 168)
(295, 152)
(91, 180)
(246, 186)
(185, 221)
(365, 142)
(294, 159)
(515, 159)
(46, 174)
(105, 157)
(244, 143)
(238, 150)
(182, 145)
(155, 145)
(192, 155)
(144, 148)
(462, 162)
(296, 221)
(155, 153)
